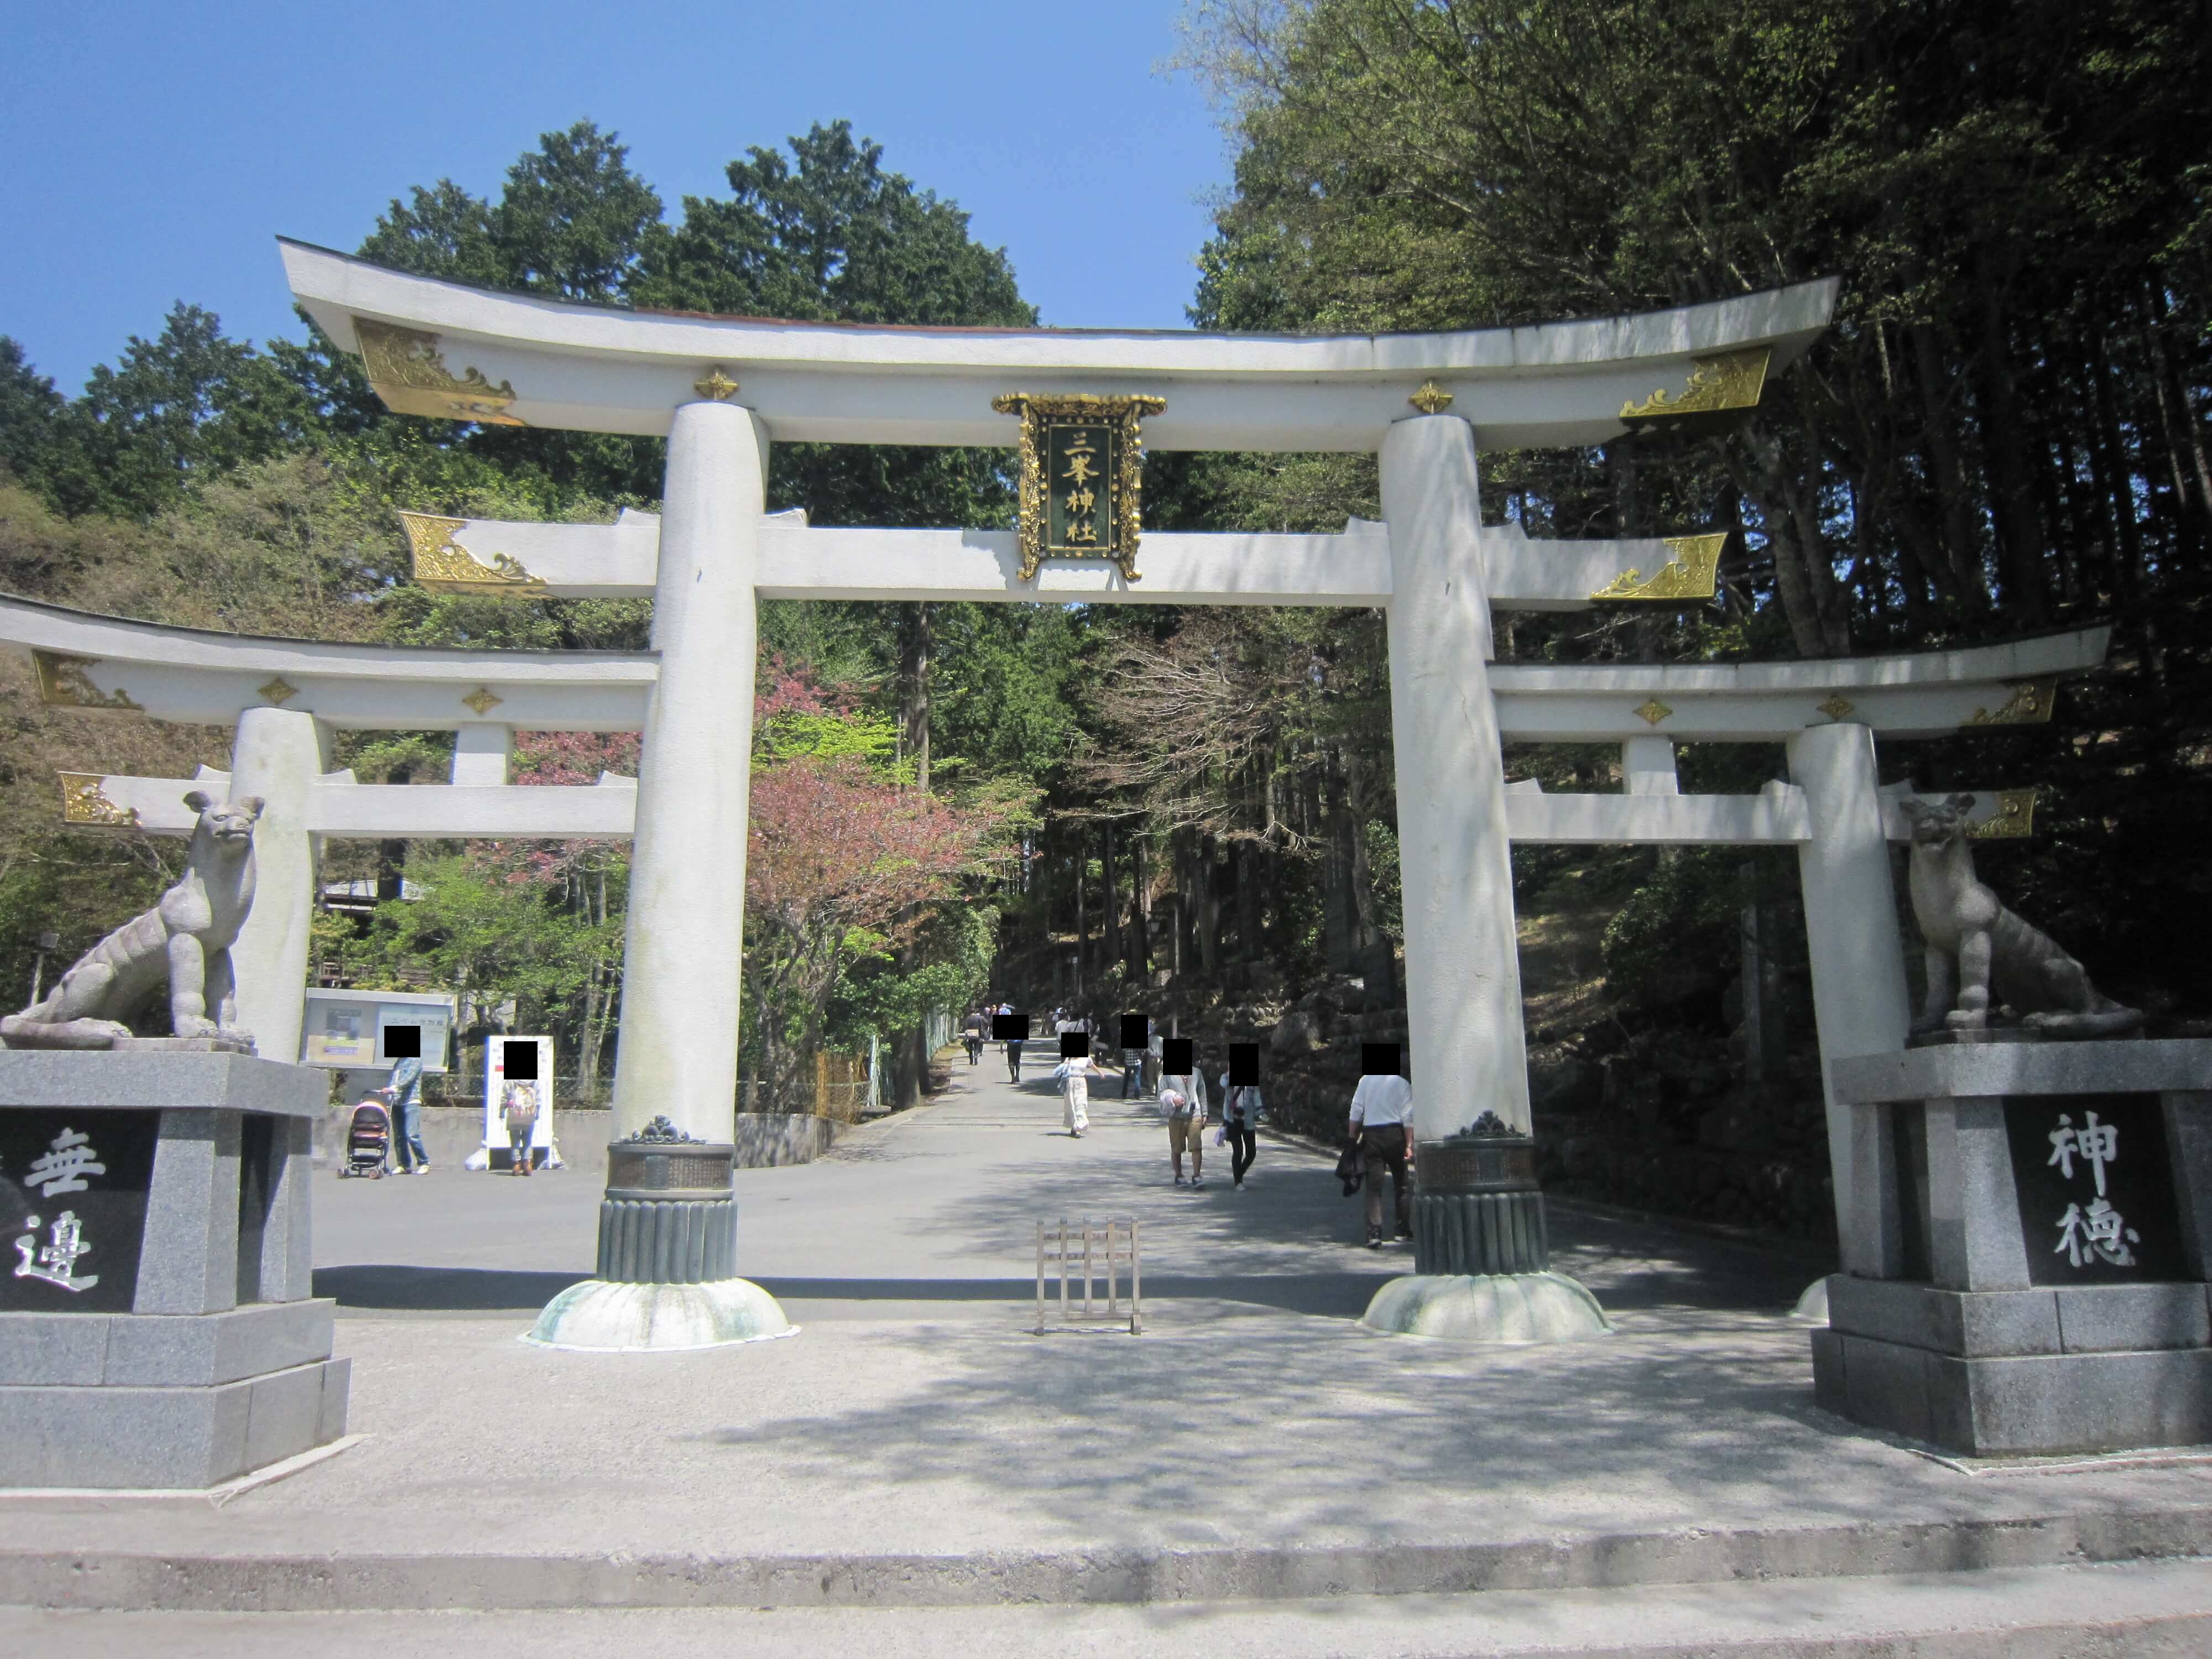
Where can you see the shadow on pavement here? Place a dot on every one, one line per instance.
(488, 1290)
(441, 1289)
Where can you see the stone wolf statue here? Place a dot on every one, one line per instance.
(185, 940)
(1981, 956)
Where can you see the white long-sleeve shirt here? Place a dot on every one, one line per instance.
(1191, 1088)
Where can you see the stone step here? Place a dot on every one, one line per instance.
(2111, 1611)
(219, 1581)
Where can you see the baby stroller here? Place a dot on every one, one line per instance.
(369, 1139)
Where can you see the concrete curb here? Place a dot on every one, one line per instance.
(122, 1581)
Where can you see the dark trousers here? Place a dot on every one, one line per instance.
(1243, 1147)
(1014, 1062)
(1385, 1148)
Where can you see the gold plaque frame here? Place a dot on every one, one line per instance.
(1127, 485)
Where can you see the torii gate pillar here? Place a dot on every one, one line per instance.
(667, 1267)
(1860, 1003)
(277, 755)
(1479, 1251)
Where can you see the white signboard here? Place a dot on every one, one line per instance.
(347, 1029)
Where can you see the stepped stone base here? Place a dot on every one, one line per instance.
(1544, 1307)
(1991, 1373)
(179, 1346)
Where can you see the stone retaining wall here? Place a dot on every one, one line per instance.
(450, 1134)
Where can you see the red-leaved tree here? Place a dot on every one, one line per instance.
(840, 862)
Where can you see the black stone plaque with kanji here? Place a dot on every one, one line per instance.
(73, 1188)
(1082, 456)
(2095, 1184)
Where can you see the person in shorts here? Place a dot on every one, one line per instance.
(1183, 1103)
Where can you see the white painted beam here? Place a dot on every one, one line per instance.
(799, 561)
(462, 811)
(337, 807)
(1925, 693)
(1774, 818)
(203, 678)
(602, 369)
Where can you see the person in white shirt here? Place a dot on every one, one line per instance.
(1382, 1124)
(1183, 1103)
(1074, 1076)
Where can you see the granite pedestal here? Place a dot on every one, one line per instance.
(2041, 1214)
(156, 1329)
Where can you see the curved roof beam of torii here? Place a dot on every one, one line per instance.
(109, 663)
(597, 368)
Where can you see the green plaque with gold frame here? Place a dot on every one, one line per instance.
(1082, 475)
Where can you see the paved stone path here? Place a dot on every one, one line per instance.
(933, 1212)
(916, 1448)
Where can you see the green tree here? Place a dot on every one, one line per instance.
(188, 405)
(29, 410)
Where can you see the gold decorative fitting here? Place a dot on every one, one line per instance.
(1082, 473)
(280, 691)
(407, 370)
(2030, 704)
(1652, 711)
(63, 684)
(1431, 399)
(716, 387)
(1836, 706)
(443, 563)
(484, 700)
(83, 801)
(2013, 820)
(1717, 386)
(1691, 573)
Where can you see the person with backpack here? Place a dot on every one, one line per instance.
(518, 1111)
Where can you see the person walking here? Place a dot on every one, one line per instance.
(1133, 1068)
(1382, 1124)
(405, 1090)
(1074, 1077)
(1014, 1059)
(1182, 1101)
(1240, 1119)
(972, 1032)
(517, 1110)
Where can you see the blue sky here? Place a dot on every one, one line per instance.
(156, 149)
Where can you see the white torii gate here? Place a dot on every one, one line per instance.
(1431, 565)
